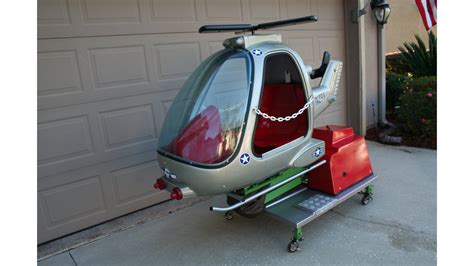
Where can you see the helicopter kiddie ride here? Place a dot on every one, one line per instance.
(243, 125)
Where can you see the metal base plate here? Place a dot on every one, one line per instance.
(309, 204)
(317, 202)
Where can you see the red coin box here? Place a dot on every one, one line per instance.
(347, 160)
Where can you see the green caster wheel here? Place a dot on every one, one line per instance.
(229, 215)
(366, 199)
(293, 246)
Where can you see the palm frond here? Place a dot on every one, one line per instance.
(419, 60)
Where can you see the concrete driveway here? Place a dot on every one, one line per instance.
(398, 228)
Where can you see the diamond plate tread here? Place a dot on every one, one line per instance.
(316, 202)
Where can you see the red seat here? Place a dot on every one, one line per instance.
(201, 140)
(280, 100)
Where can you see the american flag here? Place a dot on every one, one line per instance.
(427, 10)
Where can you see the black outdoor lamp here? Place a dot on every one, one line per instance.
(381, 10)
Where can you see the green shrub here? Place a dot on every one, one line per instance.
(417, 115)
(394, 64)
(395, 83)
(416, 59)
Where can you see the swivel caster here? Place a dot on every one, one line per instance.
(366, 199)
(368, 195)
(293, 246)
(229, 215)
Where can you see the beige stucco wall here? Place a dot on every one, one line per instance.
(404, 22)
(371, 66)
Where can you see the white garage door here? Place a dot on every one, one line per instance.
(107, 73)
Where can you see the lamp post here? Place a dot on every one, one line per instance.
(381, 10)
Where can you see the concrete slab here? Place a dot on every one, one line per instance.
(125, 222)
(398, 227)
(63, 259)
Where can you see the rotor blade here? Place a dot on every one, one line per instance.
(249, 27)
(286, 22)
(225, 28)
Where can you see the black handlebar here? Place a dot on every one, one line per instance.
(317, 73)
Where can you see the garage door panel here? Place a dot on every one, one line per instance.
(108, 69)
(130, 180)
(128, 126)
(50, 231)
(67, 139)
(64, 140)
(312, 44)
(73, 18)
(118, 66)
(68, 177)
(123, 127)
(172, 10)
(110, 11)
(176, 60)
(53, 12)
(102, 169)
(263, 10)
(298, 8)
(214, 47)
(332, 13)
(60, 216)
(41, 220)
(133, 182)
(66, 203)
(53, 229)
(58, 73)
(333, 44)
(104, 94)
(222, 10)
(304, 46)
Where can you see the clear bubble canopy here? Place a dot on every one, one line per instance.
(204, 123)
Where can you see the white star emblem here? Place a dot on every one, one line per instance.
(244, 159)
(257, 52)
(317, 152)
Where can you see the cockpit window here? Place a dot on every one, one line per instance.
(204, 123)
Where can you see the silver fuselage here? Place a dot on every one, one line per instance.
(232, 174)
